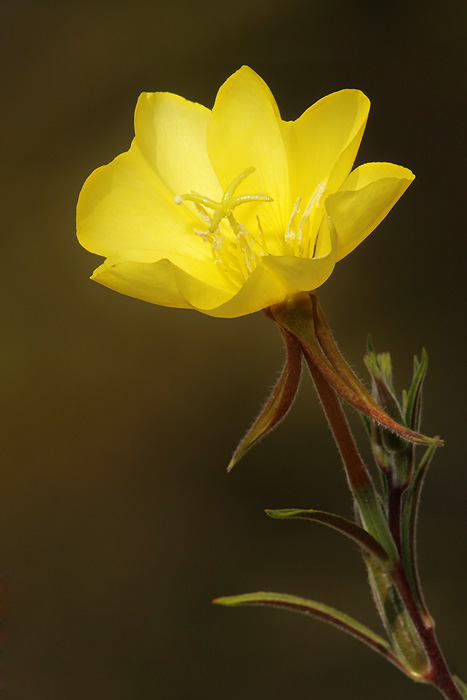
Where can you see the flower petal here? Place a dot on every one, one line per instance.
(323, 142)
(152, 282)
(306, 274)
(130, 202)
(300, 274)
(171, 133)
(162, 282)
(271, 281)
(365, 198)
(125, 205)
(202, 285)
(244, 131)
(261, 289)
(144, 275)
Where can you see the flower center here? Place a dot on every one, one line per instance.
(233, 248)
(216, 234)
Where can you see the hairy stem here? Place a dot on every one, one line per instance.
(360, 483)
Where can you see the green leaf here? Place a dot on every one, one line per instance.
(337, 522)
(405, 397)
(321, 612)
(278, 403)
(379, 367)
(369, 344)
(409, 523)
(413, 403)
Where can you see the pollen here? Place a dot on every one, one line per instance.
(228, 202)
(245, 257)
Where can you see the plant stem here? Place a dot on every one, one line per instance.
(439, 676)
(394, 510)
(359, 481)
(356, 470)
(358, 477)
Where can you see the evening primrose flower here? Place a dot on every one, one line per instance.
(232, 210)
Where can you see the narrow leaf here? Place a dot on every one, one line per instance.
(413, 404)
(280, 400)
(379, 367)
(319, 611)
(409, 524)
(369, 344)
(337, 522)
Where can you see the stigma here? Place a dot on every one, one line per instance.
(223, 228)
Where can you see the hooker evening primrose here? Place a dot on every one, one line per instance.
(230, 210)
(233, 210)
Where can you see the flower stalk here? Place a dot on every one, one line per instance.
(425, 656)
(385, 527)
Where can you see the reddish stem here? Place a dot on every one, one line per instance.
(355, 468)
(359, 479)
(439, 676)
(394, 510)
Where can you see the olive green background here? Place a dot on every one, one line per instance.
(119, 524)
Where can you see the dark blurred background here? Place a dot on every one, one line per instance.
(119, 523)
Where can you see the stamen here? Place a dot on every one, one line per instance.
(313, 201)
(241, 235)
(295, 233)
(306, 213)
(290, 234)
(228, 202)
(247, 259)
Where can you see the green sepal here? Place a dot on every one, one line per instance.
(412, 407)
(321, 612)
(278, 403)
(399, 626)
(380, 368)
(462, 687)
(302, 316)
(336, 522)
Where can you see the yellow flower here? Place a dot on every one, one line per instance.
(231, 210)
